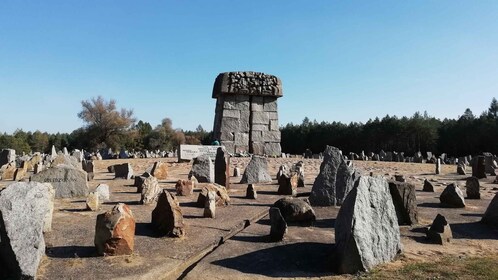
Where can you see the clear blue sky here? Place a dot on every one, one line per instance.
(338, 60)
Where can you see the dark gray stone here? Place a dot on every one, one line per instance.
(278, 226)
(25, 208)
(428, 187)
(67, 181)
(167, 217)
(256, 171)
(461, 169)
(366, 229)
(295, 210)
(222, 168)
(251, 192)
(123, 171)
(405, 202)
(202, 169)
(334, 181)
(491, 215)
(452, 197)
(7, 156)
(479, 167)
(472, 188)
(440, 231)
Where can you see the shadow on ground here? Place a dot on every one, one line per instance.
(291, 260)
(71, 252)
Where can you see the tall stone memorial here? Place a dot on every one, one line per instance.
(246, 117)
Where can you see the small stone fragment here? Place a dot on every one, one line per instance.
(428, 187)
(210, 206)
(93, 201)
(440, 231)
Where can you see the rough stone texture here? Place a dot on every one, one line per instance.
(93, 201)
(103, 191)
(160, 170)
(20, 173)
(167, 217)
(428, 187)
(472, 188)
(246, 118)
(222, 168)
(334, 181)
(139, 180)
(184, 187)
(202, 169)
(115, 231)
(236, 172)
(438, 166)
(123, 171)
(222, 198)
(405, 202)
(399, 178)
(256, 171)
(366, 228)
(251, 192)
(461, 169)
(440, 231)
(210, 205)
(149, 190)
(295, 210)
(8, 171)
(288, 184)
(479, 167)
(278, 226)
(491, 215)
(452, 197)
(88, 167)
(66, 180)
(24, 213)
(7, 156)
(63, 159)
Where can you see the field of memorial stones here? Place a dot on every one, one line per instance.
(161, 223)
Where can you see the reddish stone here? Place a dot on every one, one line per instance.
(115, 231)
(184, 187)
(160, 170)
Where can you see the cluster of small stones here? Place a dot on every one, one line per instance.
(246, 119)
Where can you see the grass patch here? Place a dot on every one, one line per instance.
(445, 268)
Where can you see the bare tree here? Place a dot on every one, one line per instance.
(104, 122)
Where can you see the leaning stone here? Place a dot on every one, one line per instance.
(278, 225)
(103, 191)
(256, 171)
(67, 181)
(452, 197)
(123, 171)
(440, 231)
(472, 188)
(93, 201)
(25, 211)
(149, 190)
(115, 231)
(334, 181)
(461, 169)
(167, 217)
(251, 192)
(428, 187)
(160, 170)
(210, 206)
(405, 202)
(184, 188)
(222, 198)
(366, 229)
(491, 215)
(202, 169)
(295, 210)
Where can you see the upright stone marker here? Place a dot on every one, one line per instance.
(246, 117)
(222, 168)
(66, 180)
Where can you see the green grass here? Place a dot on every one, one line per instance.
(445, 268)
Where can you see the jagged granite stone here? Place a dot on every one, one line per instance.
(67, 181)
(202, 169)
(405, 202)
(472, 188)
(491, 215)
(366, 229)
(334, 181)
(167, 217)
(295, 210)
(256, 171)
(25, 210)
(440, 231)
(115, 231)
(278, 226)
(452, 197)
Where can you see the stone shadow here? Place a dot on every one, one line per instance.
(145, 229)
(71, 252)
(473, 230)
(430, 205)
(291, 260)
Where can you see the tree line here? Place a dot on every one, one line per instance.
(106, 126)
(466, 135)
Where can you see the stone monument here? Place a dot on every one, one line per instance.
(246, 117)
